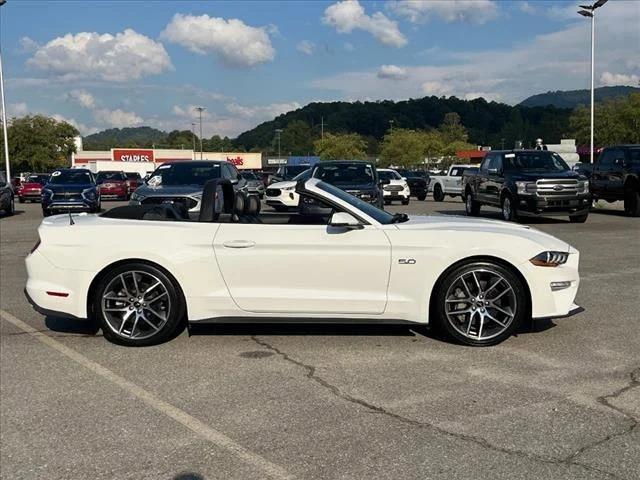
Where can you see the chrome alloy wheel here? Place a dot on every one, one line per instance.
(136, 305)
(469, 203)
(480, 304)
(506, 209)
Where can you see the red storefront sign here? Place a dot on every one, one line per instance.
(237, 161)
(132, 155)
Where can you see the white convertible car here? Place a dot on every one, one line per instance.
(142, 272)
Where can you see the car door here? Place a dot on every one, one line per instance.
(600, 174)
(494, 182)
(482, 178)
(615, 177)
(304, 269)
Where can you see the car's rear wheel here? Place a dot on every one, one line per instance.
(137, 305)
(632, 202)
(480, 304)
(438, 194)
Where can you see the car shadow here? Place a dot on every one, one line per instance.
(70, 325)
(606, 211)
(299, 329)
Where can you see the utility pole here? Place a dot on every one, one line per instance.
(200, 110)
(391, 125)
(193, 137)
(321, 131)
(589, 11)
(4, 116)
(278, 132)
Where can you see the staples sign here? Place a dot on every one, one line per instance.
(132, 155)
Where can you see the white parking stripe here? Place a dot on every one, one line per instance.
(205, 431)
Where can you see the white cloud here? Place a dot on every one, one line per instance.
(348, 15)
(306, 47)
(553, 61)
(117, 118)
(526, 7)
(19, 109)
(82, 98)
(262, 112)
(82, 128)
(392, 72)
(28, 45)
(119, 58)
(232, 41)
(471, 11)
(611, 79)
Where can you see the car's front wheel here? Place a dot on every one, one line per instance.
(438, 194)
(480, 304)
(422, 198)
(137, 305)
(471, 207)
(509, 212)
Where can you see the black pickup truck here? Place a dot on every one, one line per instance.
(615, 176)
(527, 183)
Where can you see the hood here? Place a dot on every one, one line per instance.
(467, 224)
(69, 187)
(169, 190)
(533, 176)
(282, 185)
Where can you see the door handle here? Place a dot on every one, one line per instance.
(239, 244)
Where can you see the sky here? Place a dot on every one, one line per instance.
(100, 64)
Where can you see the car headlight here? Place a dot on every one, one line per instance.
(89, 194)
(136, 197)
(583, 187)
(550, 259)
(527, 188)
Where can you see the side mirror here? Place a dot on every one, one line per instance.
(234, 181)
(345, 220)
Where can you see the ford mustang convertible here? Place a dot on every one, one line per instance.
(335, 258)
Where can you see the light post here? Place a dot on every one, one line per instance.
(4, 114)
(589, 11)
(193, 137)
(200, 110)
(391, 122)
(278, 132)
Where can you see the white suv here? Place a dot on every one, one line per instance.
(396, 189)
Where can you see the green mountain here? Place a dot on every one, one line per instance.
(573, 98)
(129, 137)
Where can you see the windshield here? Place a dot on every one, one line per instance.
(291, 171)
(106, 176)
(346, 174)
(67, 177)
(374, 212)
(306, 175)
(535, 161)
(388, 175)
(249, 175)
(41, 179)
(184, 174)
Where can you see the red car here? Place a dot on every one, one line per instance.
(31, 189)
(113, 185)
(133, 180)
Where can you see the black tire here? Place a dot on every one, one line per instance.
(20, 199)
(509, 212)
(471, 206)
(405, 202)
(387, 202)
(579, 218)
(438, 194)
(632, 202)
(175, 320)
(422, 198)
(445, 323)
(46, 213)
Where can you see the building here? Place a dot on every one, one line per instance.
(472, 157)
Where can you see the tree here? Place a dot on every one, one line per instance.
(297, 138)
(452, 129)
(350, 146)
(410, 147)
(39, 143)
(218, 144)
(616, 121)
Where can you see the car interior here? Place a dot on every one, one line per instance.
(221, 204)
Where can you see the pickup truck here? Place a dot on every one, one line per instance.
(616, 176)
(527, 183)
(449, 184)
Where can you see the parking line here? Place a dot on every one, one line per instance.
(201, 429)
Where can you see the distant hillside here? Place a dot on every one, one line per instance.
(124, 137)
(573, 98)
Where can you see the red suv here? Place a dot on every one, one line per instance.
(113, 185)
(133, 180)
(31, 189)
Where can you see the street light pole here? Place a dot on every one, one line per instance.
(278, 132)
(193, 137)
(4, 114)
(590, 12)
(200, 110)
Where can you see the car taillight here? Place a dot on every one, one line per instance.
(35, 247)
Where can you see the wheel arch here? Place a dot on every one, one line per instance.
(480, 258)
(98, 277)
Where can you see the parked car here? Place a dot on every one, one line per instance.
(528, 182)
(255, 186)
(286, 172)
(615, 176)
(113, 185)
(395, 187)
(449, 183)
(476, 280)
(31, 189)
(418, 182)
(134, 180)
(70, 190)
(7, 197)
(358, 178)
(282, 195)
(182, 182)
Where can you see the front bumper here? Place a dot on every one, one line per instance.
(543, 206)
(70, 205)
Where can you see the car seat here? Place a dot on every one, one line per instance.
(217, 198)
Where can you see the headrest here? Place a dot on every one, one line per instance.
(217, 197)
(252, 205)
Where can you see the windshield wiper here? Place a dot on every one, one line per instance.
(399, 218)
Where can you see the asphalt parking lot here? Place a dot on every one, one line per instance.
(559, 401)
